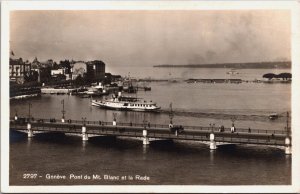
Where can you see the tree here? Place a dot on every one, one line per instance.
(45, 74)
(65, 64)
(79, 81)
(55, 66)
(269, 76)
(285, 76)
(31, 77)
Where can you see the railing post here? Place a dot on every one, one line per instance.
(85, 136)
(16, 117)
(288, 146)
(212, 144)
(145, 137)
(29, 130)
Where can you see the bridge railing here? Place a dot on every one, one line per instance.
(150, 125)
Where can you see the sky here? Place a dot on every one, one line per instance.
(148, 38)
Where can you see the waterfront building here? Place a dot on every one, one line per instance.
(96, 70)
(60, 74)
(112, 78)
(93, 70)
(68, 76)
(78, 68)
(43, 69)
(44, 74)
(57, 72)
(18, 69)
(35, 63)
(44, 64)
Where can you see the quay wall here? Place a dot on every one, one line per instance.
(57, 90)
(20, 91)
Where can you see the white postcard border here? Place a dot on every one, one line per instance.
(6, 7)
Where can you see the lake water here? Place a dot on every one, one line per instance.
(164, 162)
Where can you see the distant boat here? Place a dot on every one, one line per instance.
(93, 91)
(126, 103)
(128, 86)
(232, 72)
(147, 88)
(273, 116)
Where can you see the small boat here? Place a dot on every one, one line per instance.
(93, 91)
(126, 103)
(273, 116)
(232, 72)
(147, 88)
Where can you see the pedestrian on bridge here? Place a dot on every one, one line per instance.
(221, 128)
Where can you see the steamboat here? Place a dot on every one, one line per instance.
(126, 103)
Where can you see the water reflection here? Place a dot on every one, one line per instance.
(212, 155)
(84, 146)
(28, 145)
(145, 151)
(288, 158)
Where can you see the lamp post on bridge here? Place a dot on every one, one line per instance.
(115, 119)
(287, 124)
(83, 120)
(63, 111)
(29, 115)
(212, 127)
(288, 143)
(171, 116)
(232, 129)
(145, 121)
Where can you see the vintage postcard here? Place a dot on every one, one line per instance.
(150, 96)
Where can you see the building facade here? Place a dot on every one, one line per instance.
(57, 72)
(91, 70)
(18, 70)
(96, 70)
(78, 68)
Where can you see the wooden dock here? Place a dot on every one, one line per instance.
(151, 132)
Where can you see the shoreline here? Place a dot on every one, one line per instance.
(258, 65)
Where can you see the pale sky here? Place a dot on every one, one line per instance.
(152, 37)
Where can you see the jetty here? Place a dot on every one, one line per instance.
(236, 81)
(148, 132)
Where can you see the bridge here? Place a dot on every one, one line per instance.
(151, 132)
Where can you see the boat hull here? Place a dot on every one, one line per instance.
(118, 106)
